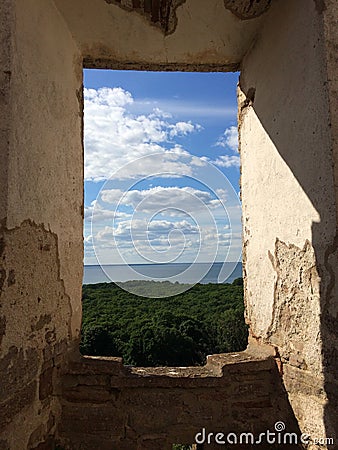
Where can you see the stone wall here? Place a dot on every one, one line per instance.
(113, 407)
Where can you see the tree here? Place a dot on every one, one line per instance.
(232, 331)
(98, 341)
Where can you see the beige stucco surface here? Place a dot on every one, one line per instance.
(205, 35)
(289, 211)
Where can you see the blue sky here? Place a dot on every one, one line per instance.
(161, 167)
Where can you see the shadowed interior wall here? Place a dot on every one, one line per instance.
(330, 301)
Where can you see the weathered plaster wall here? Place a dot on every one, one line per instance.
(45, 171)
(206, 35)
(289, 209)
(34, 334)
(41, 215)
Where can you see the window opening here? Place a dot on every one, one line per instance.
(162, 230)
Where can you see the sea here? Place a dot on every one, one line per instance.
(204, 273)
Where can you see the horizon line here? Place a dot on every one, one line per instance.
(161, 264)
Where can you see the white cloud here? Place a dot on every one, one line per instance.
(171, 200)
(157, 240)
(96, 212)
(118, 132)
(142, 229)
(157, 112)
(164, 227)
(161, 217)
(227, 161)
(160, 235)
(113, 97)
(183, 128)
(115, 137)
(167, 223)
(229, 139)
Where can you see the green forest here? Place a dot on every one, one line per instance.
(172, 331)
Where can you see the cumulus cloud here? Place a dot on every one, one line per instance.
(227, 161)
(229, 139)
(165, 227)
(156, 240)
(167, 199)
(145, 143)
(183, 128)
(154, 229)
(96, 212)
(114, 136)
(172, 221)
(160, 235)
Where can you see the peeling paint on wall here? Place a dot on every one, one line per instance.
(247, 9)
(295, 321)
(320, 6)
(34, 329)
(158, 12)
